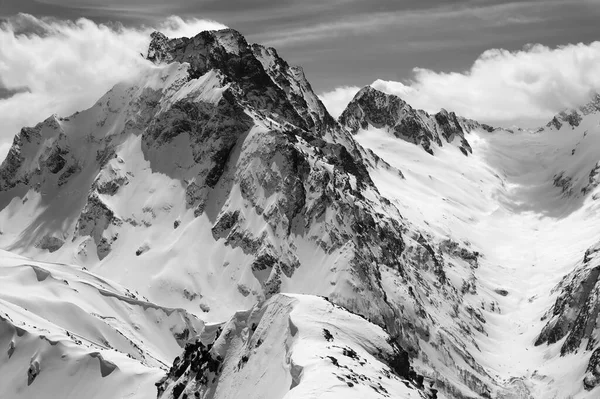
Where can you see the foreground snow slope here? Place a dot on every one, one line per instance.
(293, 346)
(67, 333)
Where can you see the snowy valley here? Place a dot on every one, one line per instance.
(209, 230)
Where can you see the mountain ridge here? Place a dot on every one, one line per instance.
(217, 181)
(372, 107)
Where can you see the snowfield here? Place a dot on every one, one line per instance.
(504, 201)
(67, 333)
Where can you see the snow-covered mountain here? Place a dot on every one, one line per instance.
(373, 108)
(212, 209)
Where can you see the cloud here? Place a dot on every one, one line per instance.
(525, 87)
(336, 100)
(57, 66)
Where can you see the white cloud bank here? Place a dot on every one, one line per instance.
(336, 100)
(523, 87)
(65, 66)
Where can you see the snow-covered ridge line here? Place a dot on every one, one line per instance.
(573, 117)
(371, 107)
(313, 343)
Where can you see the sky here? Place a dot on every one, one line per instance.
(501, 62)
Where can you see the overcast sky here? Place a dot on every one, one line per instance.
(502, 63)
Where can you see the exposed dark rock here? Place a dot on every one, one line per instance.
(455, 249)
(95, 218)
(593, 179)
(111, 187)
(11, 169)
(33, 371)
(244, 64)
(565, 183)
(197, 361)
(224, 224)
(592, 376)
(371, 107)
(575, 312)
(50, 243)
(55, 160)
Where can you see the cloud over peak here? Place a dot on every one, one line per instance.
(503, 87)
(55, 66)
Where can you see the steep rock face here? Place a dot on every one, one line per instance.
(53, 159)
(263, 78)
(573, 117)
(575, 314)
(371, 107)
(292, 81)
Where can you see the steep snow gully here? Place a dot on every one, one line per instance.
(525, 200)
(202, 209)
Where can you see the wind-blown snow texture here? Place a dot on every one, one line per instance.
(458, 260)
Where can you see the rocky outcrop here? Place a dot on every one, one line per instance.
(50, 243)
(286, 329)
(262, 79)
(575, 315)
(592, 376)
(573, 117)
(94, 220)
(593, 180)
(575, 312)
(371, 107)
(13, 171)
(298, 90)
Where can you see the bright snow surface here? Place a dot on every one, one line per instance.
(67, 333)
(502, 201)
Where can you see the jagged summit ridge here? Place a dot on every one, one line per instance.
(371, 107)
(573, 117)
(259, 72)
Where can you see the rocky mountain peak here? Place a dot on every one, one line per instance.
(573, 116)
(371, 107)
(259, 76)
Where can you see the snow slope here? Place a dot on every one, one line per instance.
(68, 333)
(527, 202)
(293, 346)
